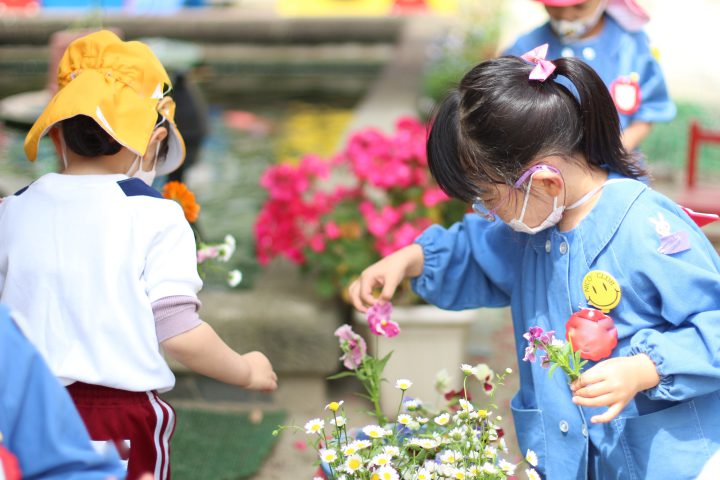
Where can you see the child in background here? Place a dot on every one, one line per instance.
(519, 144)
(608, 36)
(102, 267)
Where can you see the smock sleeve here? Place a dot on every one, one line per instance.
(684, 289)
(469, 265)
(655, 103)
(38, 419)
(171, 261)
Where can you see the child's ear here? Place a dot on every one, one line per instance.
(552, 182)
(158, 135)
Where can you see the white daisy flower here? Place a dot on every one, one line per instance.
(403, 384)
(412, 404)
(507, 467)
(350, 450)
(328, 455)
(508, 370)
(468, 369)
(531, 458)
(227, 249)
(339, 421)
(234, 277)
(442, 419)
(422, 420)
(314, 426)
(353, 463)
(387, 473)
(465, 405)
(489, 468)
(404, 419)
(362, 444)
(381, 459)
(334, 406)
(423, 474)
(532, 474)
(374, 431)
(391, 450)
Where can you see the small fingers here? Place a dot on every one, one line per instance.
(593, 390)
(597, 401)
(354, 294)
(611, 413)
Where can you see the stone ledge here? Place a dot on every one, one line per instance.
(280, 317)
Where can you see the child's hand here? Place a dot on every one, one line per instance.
(262, 376)
(613, 383)
(388, 273)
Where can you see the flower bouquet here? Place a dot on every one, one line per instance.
(457, 440)
(209, 255)
(335, 217)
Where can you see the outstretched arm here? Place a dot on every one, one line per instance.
(203, 351)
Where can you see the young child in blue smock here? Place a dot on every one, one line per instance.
(608, 36)
(559, 199)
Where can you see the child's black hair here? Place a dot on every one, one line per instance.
(497, 121)
(86, 138)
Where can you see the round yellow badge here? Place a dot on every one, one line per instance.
(601, 290)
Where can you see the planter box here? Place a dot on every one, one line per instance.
(430, 339)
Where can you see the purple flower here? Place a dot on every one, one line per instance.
(547, 337)
(378, 317)
(533, 334)
(529, 354)
(544, 361)
(352, 345)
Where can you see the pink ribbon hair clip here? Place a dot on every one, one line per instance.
(543, 68)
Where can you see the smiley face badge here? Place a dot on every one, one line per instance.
(601, 290)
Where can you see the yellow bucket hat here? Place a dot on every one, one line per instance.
(120, 85)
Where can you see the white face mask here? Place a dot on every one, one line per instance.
(148, 176)
(570, 30)
(555, 216)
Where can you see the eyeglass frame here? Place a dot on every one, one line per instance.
(490, 214)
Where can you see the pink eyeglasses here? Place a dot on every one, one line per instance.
(490, 214)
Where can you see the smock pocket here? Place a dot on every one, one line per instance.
(530, 430)
(665, 444)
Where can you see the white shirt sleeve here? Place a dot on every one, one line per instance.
(171, 262)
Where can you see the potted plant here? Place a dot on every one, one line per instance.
(335, 217)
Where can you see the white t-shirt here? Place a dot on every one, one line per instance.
(82, 257)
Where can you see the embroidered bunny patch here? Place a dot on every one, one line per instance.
(670, 243)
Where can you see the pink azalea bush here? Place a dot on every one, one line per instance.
(337, 216)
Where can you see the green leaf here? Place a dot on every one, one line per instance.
(341, 375)
(552, 369)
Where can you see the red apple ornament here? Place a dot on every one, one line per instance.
(592, 332)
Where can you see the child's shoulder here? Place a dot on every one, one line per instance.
(134, 187)
(533, 38)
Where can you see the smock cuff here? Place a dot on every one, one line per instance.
(426, 282)
(662, 390)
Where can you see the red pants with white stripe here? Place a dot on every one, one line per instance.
(140, 424)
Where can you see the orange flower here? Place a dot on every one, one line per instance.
(179, 192)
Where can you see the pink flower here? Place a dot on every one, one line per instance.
(317, 243)
(207, 253)
(433, 196)
(378, 317)
(332, 231)
(353, 346)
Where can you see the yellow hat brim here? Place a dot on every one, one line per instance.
(116, 107)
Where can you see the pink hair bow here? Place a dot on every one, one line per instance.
(543, 68)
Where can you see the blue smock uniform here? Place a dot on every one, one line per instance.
(614, 53)
(669, 309)
(38, 420)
